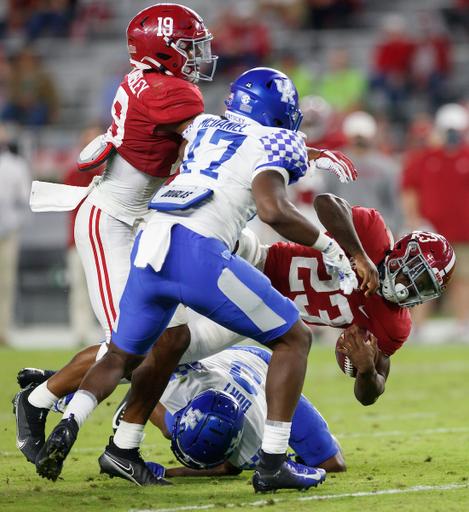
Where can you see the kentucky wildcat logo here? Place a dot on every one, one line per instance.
(191, 418)
(284, 87)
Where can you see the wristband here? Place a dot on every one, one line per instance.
(322, 242)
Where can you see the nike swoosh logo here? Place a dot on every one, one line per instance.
(311, 477)
(128, 470)
(362, 309)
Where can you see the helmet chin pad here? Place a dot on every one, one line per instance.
(402, 291)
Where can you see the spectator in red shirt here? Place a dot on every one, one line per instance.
(435, 192)
(431, 62)
(392, 66)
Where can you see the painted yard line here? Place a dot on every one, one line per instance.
(339, 436)
(418, 488)
(404, 432)
(400, 417)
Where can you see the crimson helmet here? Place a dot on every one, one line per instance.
(171, 39)
(427, 262)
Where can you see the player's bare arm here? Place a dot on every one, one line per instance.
(371, 364)
(336, 216)
(275, 209)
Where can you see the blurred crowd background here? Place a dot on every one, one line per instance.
(387, 83)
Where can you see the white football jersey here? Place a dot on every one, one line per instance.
(225, 156)
(240, 371)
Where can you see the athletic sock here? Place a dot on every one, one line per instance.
(276, 436)
(129, 435)
(81, 406)
(42, 397)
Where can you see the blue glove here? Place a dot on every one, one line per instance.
(157, 469)
(61, 404)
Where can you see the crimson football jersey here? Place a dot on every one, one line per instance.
(298, 272)
(142, 102)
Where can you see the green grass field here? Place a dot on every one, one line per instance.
(408, 452)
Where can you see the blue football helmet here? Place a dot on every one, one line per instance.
(267, 96)
(208, 430)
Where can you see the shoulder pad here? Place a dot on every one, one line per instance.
(95, 154)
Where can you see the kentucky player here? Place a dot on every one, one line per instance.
(233, 168)
(192, 394)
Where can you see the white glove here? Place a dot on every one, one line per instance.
(336, 261)
(338, 163)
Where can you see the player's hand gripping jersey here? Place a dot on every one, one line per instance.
(299, 273)
(225, 157)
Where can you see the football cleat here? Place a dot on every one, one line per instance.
(30, 424)
(28, 376)
(129, 465)
(289, 475)
(50, 459)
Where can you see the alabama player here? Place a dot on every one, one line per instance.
(415, 269)
(166, 43)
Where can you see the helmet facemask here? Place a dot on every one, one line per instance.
(197, 53)
(420, 284)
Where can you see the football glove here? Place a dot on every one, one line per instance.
(338, 163)
(61, 404)
(337, 262)
(157, 469)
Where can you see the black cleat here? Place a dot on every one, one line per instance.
(30, 424)
(50, 459)
(28, 376)
(288, 475)
(129, 465)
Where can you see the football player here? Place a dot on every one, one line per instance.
(415, 269)
(241, 372)
(233, 168)
(167, 44)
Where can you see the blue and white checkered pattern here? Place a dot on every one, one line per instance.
(252, 463)
(286, 149)
(184, 369)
